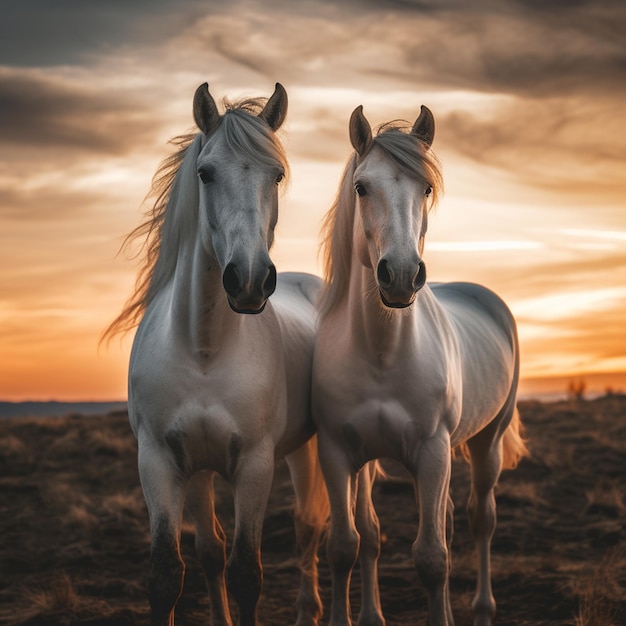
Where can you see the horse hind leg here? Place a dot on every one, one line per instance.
(163, 489)
(486, 463)
(210, 544)
(449, 536)
(368, 527)
(310, 518)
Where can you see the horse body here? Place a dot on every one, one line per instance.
(406, 371)
(219, 377)
(410, 375)
(487, 336)
(248, 378)
(294, 302)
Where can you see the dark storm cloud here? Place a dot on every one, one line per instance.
(40, 33)
(525, 48)
(49, 112)
(557, 68)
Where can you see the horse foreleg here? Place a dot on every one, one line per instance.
(164, 492)
(343, 539)
(310, 519)
(486, 462)
(210, 544)
(252, 484)
(368, 527)
(429, 550)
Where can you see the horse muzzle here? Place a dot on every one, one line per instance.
(398, 287)
(248, 295)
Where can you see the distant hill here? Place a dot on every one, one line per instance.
(57, 409)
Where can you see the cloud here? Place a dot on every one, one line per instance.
(48, 111)
(571, 145)
(556, 286)
(554, 75)
(519, 48)
(528, 47)
(39, 33)
(42, 204)
(295, 48)
(588, 341)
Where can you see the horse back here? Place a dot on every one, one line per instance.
(489, 351)
(461, 299)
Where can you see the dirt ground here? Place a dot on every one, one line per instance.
(74, 530)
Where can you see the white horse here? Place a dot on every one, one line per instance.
(406, 370)
(212, 390)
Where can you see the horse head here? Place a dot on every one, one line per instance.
(239, 169)
(392, 186)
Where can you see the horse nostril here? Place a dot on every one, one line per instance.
(419, 280)
(269, 286)
(231, 280)
(384, 274)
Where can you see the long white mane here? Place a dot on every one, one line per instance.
(414, 159)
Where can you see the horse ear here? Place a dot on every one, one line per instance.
(275, 111)
(360, 131)
(205, 111)
(424, 127)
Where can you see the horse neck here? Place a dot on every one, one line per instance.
(382, 332)
(200, 310)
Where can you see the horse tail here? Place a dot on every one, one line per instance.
(513, 443)
(316, 509)
(312, 512)
(378, 471)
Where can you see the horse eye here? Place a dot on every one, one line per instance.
(360, 189)
(279, 178)
(206, 176)
(428, 191)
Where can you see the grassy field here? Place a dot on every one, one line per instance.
(75, 540)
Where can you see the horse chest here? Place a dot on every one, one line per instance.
(375, 411)
(199, 406)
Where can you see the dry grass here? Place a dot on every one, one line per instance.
(75, 533)
(607, 496)
(58, 597)
(124, 507)
(59, 602)
(13, 448)
(526, 493)
(601, 593)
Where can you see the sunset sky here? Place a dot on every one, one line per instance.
(528, 98)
